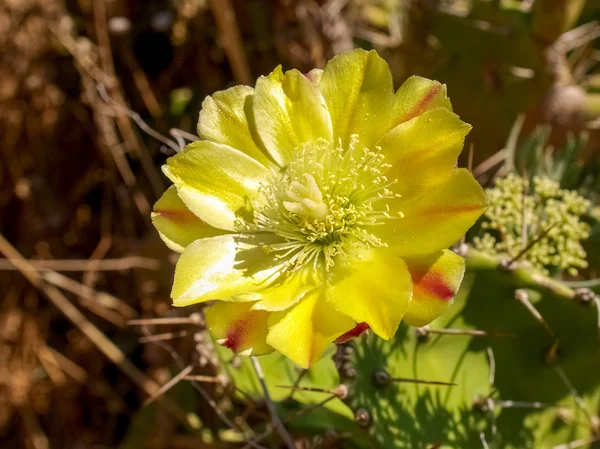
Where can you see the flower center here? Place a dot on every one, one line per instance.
(325, 203)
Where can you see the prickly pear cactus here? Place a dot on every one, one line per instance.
(514, 363)
(514, 387)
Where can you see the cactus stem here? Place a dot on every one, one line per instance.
(524, 276)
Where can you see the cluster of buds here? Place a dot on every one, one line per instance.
(521, 212)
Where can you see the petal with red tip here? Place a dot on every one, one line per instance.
(239, 328)
(436, 280)
(418, 95)
(358, 330)
(303, 332)
(176, 224)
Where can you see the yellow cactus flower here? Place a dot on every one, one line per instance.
(317, 206)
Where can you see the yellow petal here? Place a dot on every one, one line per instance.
(373, 287)
(216, 182)
(290, 111)
(226, 117)
(239, 328)
(358, 90)
(424, 150)
(436, 280)
(418, 95)
(315, 76)
(437, 218)
(221, 267)
(176, 224)
(303, 332)
(286, 292)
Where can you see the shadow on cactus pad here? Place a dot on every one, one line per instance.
(523, 402)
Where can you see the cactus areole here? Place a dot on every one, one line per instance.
(317, 206)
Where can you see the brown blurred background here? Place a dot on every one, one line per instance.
(79, 172)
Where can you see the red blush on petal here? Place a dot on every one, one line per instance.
(352, 333)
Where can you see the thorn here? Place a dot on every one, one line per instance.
(578, 400)
(577, 443)
(522, 404)
(424, 331)
(289, 418)
(426, 382)
(483, 441)
(463, 239)
(470, 160)
(523, 297)
(163, 337)
(220, 379)
(170, 384)
(524, 225)
(531, 244)
(296, 383)
(489, 163)
(492, 376)
(551, 356)
(275, 420)
(194, 318)
(382, 378)
(341, 391)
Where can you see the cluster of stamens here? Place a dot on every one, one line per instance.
(324, 203)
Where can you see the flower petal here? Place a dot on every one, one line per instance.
(220, 268)
(176, 224)
(358, 89)
(436, 280)
(303, 332)
(290, 111)
(315, 76)
(418, 95)
(437, 218)
(284, 293)
(357, 331)
(239, 328)
(424, 150)
(215, 181)
(374, 288)
(227, 118)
